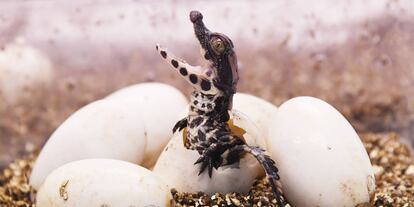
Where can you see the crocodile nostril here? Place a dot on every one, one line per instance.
(195, 15)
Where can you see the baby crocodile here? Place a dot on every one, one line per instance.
(207, 128)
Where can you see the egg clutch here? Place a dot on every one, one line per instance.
(124, 141)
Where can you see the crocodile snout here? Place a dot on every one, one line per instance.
(195, 16)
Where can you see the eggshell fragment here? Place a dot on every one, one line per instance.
(102, 182)
(257, 109)
(321, 159)
(22, 67)
(101, 129)
(176, 165)
(159, 106)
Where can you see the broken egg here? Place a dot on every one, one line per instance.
(175, 166)
(158, 105)
(321, 158)
(257, 109)
(102, 183)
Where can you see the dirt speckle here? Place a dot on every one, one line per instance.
(62, 190)
(347, 189)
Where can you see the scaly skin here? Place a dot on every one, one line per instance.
(214, 85)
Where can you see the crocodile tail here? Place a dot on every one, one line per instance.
(270, 169)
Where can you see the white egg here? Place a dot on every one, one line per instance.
(159, 106)
(101, 129)
(22, 68)
(133, 124)
(176, 165)
(257, 109)
(321, 159)
(102, 183)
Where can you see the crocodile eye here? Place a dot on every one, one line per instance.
(217, 45)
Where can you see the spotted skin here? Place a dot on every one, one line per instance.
(214, 85)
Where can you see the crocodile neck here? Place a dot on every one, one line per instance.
(210, 106)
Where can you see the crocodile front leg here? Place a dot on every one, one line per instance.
(180, 125)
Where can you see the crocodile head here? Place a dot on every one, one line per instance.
(218, 50)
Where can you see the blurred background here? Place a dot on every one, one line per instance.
(56, 56)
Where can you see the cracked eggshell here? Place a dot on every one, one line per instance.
(321, 158)
(21, 68)
(102, 182)
(176, 165)
(257, 109)
(159, 106)
(100, 129)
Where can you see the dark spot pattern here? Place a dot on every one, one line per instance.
(201, 136)
(183, 71)
(208, 73)
(197, 121)
(163, 54)
(200, 149)
(206, 56)
(205, 85)
(174, 63)
(195, 102)
(200, 112)
(204, 145)
(221, 132)
(209, 106)
(225, 138)
(193, 79)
